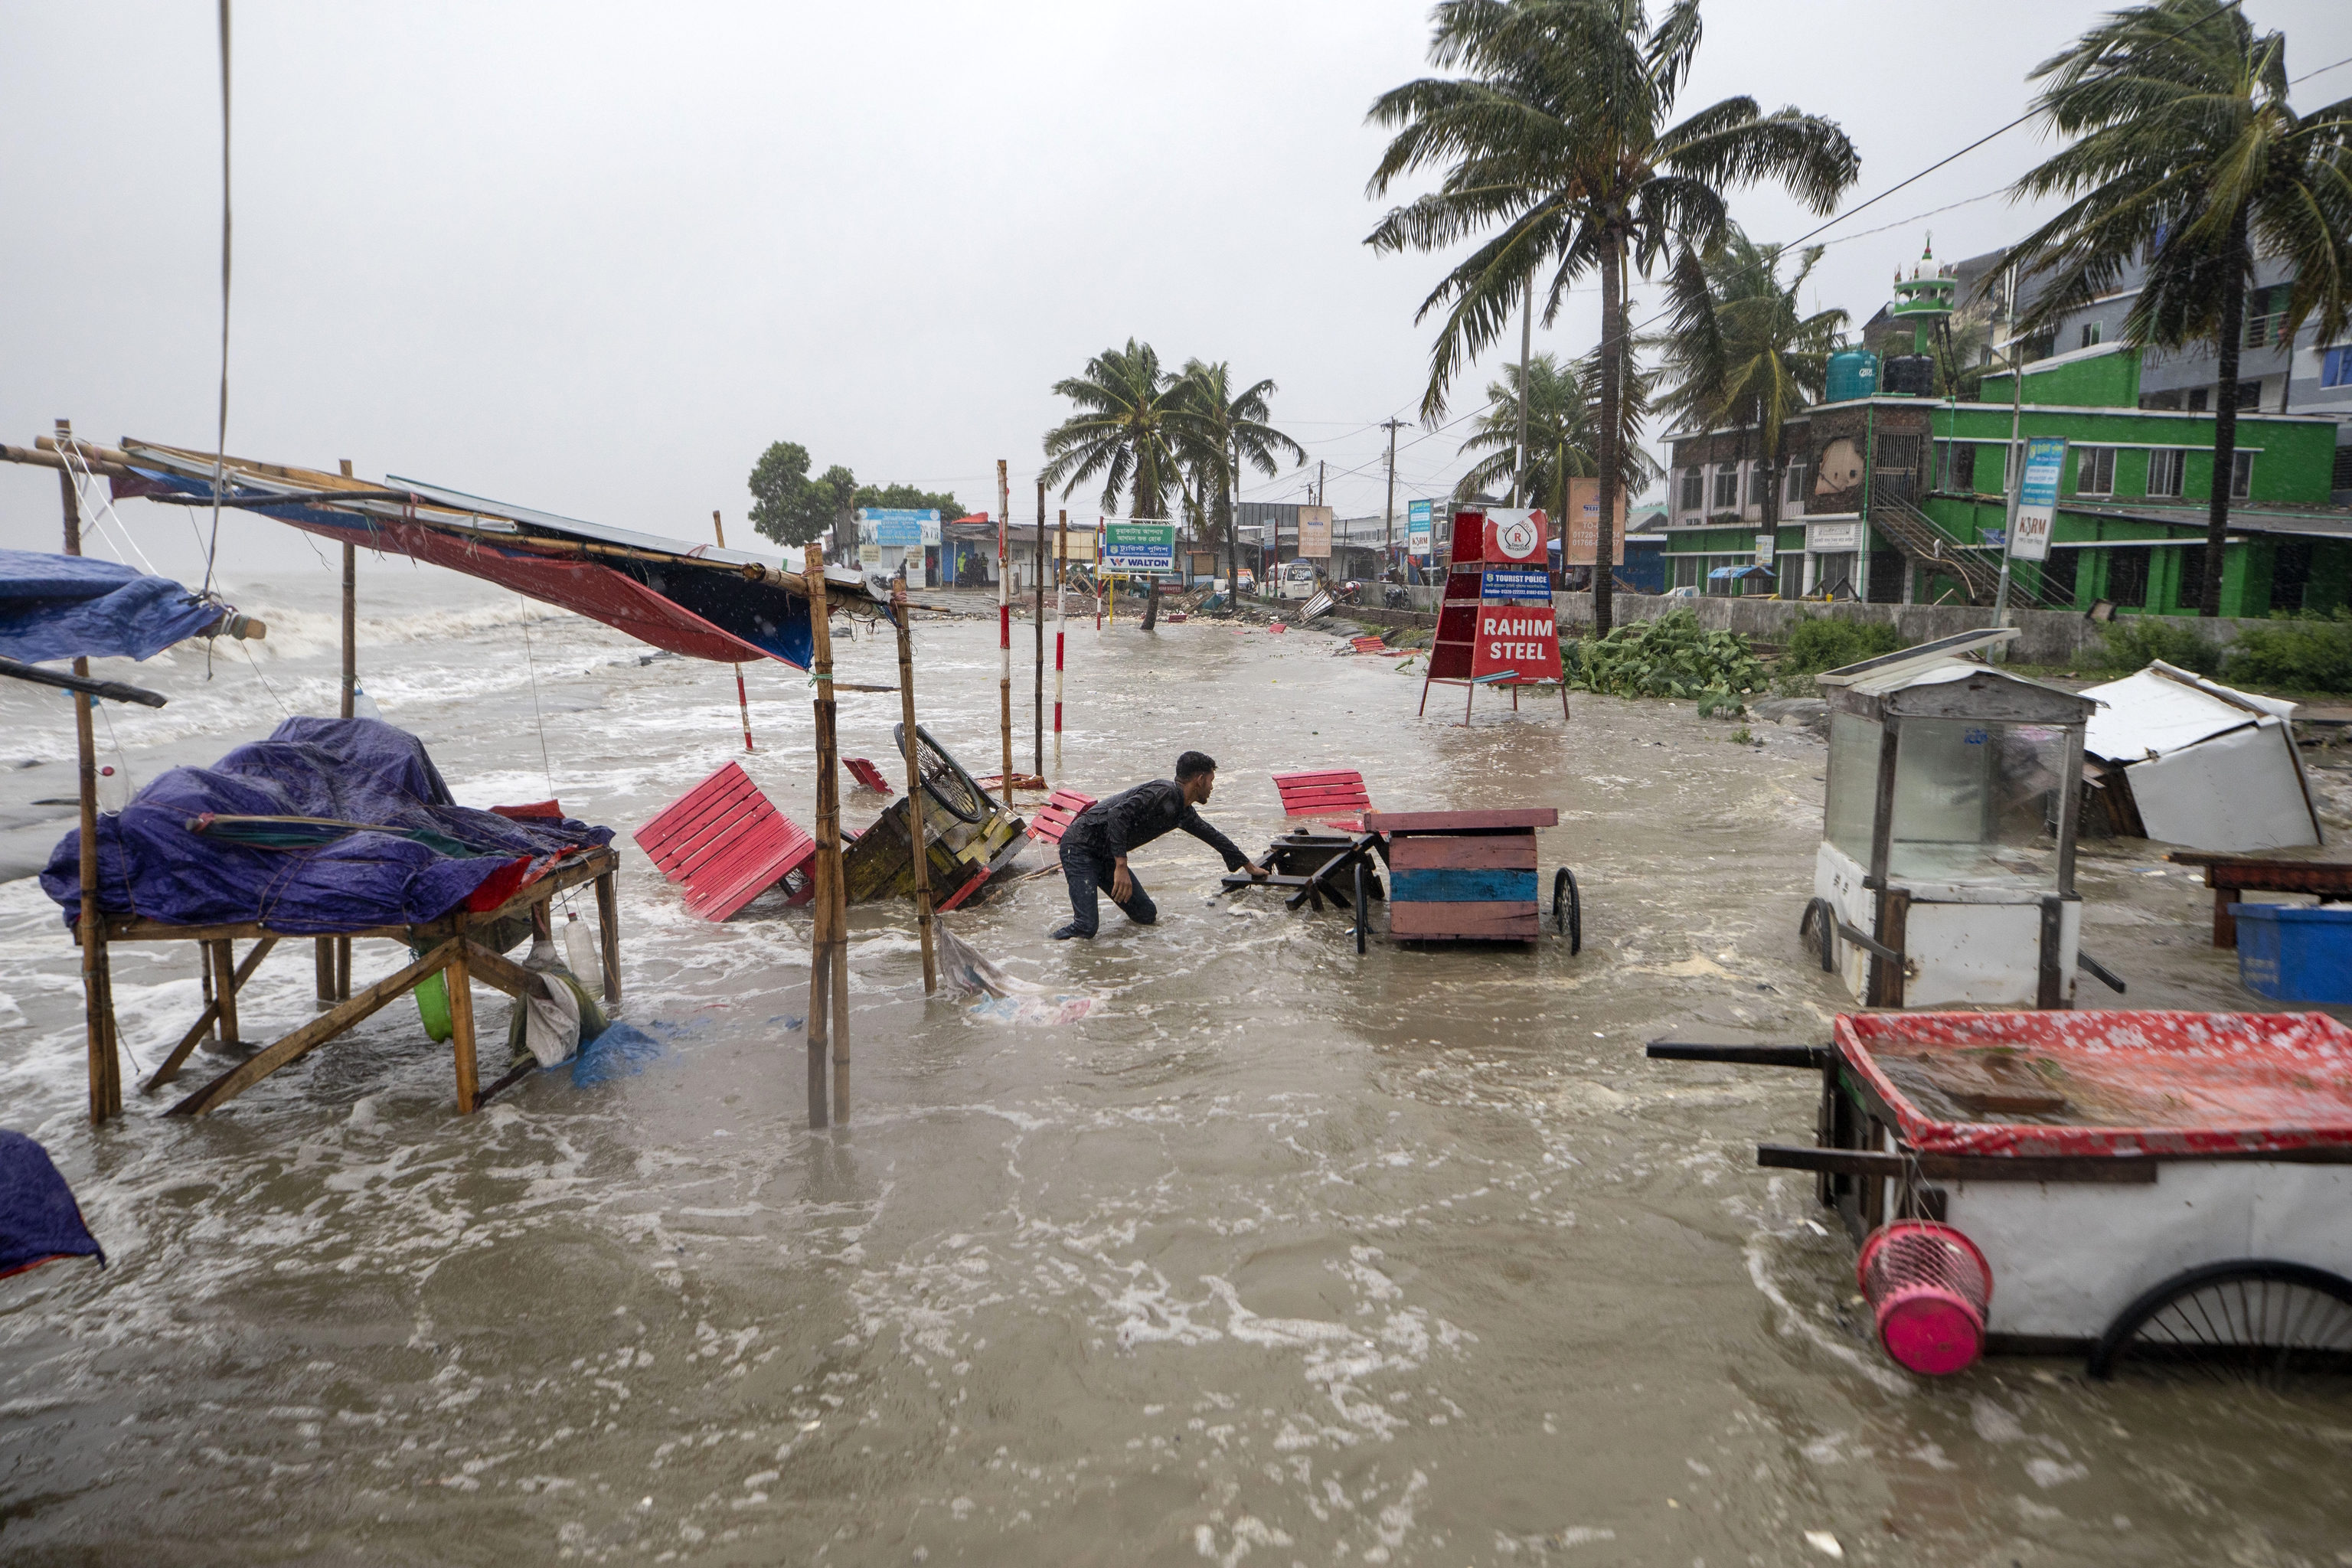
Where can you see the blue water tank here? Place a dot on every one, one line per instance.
(1853, 372)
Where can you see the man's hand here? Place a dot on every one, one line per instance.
(1121, 884)
(1257, 872)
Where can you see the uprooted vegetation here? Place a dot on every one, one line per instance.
(1673, 656)
(1829, 642)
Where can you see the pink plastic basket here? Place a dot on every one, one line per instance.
(1929, 1287)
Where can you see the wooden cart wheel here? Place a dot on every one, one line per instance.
(1568, 910)
(1363, 907)
(1817, 928)
(2252, 1321)
(944, 779)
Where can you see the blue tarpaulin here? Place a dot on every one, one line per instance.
(151, 862)
(39, 1220)
(72, 606)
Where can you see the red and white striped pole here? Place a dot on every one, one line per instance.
(1060, 618)
(1004, 615)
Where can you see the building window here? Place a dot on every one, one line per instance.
(2191, 591)
(2058, 578)
(2093, 334)
(1727, 486)
(1694, 489)
(2250, 397)
(1796, 488)
(2156, 400)
(2200, 398)
(2266, 313)
(1685, 576)
(1957, 460)
(2242, 475)
(2289, 573)
(2127, 577)
(2341, 479)
(2336, 367)
(2165, 466)
(1759, 485)
(2094, 470)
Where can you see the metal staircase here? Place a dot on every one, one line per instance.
(1924, 542)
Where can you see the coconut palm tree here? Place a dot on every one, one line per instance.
(1562, 433)
(1739, 350)
(2188, 160)
(1560, 134)
(1219, 430)
(1127, 430)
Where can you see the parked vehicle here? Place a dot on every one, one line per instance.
(1298, 580)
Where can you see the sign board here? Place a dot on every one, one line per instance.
(917, 577)
(1315, 531)
(1833, 536)
(1418, 528)
(899, 526)
(1139, 546)
(1521, 639)
(1764, 543)
(1512, 583)
(1078, 545)
(1516, 533)
(869, 556)
(1582, 546)
(2037, 499)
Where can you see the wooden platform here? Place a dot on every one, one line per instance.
(2321, 871)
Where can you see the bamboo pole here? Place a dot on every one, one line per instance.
(98, 1003)
(743, 700)
(1061, 625)
(1004, 613)
(334, 952)
(828, 998)
(1037, 686)
(916, 828)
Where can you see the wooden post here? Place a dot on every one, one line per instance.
(608, 931)
(742, 700)
(1061, 622)
(97, 990)
(828, 998)
(1037, 690)
(458, 980)
(916, 828)
(224, 954)
(351, 617)
(1004, 611)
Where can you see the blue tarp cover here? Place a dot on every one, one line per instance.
(151, 864)
(39, 1220)
(72, 606)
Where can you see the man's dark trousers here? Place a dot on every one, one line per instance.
(1090, 874)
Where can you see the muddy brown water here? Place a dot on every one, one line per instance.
(1282, 1256)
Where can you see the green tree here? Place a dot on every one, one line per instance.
(1218, 430)
(909, 498)
(1738, 349)
(1560, 134)
(1127, 430)
(789, 507)
(2187, 158)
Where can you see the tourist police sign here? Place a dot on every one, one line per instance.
(1139, 546)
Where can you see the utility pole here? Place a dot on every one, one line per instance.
(1388, 516)
(1320, 467)
(1527, 344)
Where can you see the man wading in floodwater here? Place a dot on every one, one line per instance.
(1094, 847)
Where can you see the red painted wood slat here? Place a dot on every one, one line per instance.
(1484, 851)
(1459, 821)
(1478, 921)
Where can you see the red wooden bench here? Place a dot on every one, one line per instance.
(868, 775)
(727, 843)
(1336, 795)
(1054, 818)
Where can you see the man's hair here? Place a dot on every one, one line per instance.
(1193, 764)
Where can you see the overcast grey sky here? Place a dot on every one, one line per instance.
(594, 258)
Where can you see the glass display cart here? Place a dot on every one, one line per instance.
(1945, 873)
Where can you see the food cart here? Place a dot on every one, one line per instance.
(2155, 1190)
(1945, 873)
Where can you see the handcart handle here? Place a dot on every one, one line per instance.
(1814, 1057)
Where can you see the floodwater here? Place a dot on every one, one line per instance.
(1281, 1256)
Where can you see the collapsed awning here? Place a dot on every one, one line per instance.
(76, 606)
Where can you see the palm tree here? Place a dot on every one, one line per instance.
(1128, 429)
(1219, 430)
(2187, 158)
(1560, 134)
(1562, 433)
(1738, 349)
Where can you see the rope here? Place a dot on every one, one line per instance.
(220, 431)
(538, 718)
(257, 673)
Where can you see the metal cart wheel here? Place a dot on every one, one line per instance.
(1568, 910)
(1363, 907)
(2252, 1321)
(1817, 928)
(944, 779)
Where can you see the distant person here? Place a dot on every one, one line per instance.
(1095, 845)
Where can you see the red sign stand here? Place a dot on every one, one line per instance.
(1488, 643)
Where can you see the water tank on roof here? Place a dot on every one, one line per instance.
(1910, 375)
(1853, 372)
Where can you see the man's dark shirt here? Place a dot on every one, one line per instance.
(1134, 817)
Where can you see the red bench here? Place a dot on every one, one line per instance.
(727, 843)
(868, 775)
(1371, 644)
(1336, 795)
(1053, 817)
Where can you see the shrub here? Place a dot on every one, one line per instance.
(2303, 653)
(1673, 656)
(2134, 642)
(1830, 642)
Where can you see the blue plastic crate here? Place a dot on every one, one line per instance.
(2293, 953)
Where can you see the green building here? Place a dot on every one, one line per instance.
(1904, 500)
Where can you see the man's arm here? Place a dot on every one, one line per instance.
(1198, 827)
